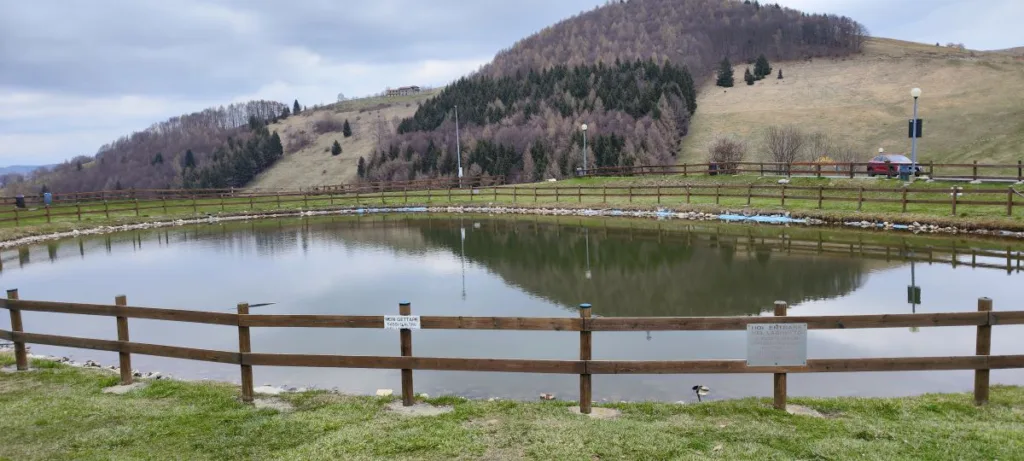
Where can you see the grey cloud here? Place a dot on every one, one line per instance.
(200, 50)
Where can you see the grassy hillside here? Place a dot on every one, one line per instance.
(313, 165)
(968, 104)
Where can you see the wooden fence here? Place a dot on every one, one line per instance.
(971, 171)
(981, 362)
(1009, 198)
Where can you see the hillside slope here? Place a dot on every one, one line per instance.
(313, 165)
(969, 104)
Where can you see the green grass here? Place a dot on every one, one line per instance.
(838, 204)
(57, 412)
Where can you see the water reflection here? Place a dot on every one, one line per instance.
(478, 265)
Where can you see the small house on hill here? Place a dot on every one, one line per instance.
(403, 91)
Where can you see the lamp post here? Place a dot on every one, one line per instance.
(915, 93)
(458, 145)
(584, 128)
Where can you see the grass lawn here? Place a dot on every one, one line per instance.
(58, 412)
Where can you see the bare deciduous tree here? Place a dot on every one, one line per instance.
(820, 145)
(726, 153)
(784, 144)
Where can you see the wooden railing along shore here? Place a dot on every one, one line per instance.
(585, 366)
(969, 171)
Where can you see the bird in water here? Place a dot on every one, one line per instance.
(700, 390)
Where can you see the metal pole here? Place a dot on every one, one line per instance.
(913, 141)
(458, 147)
(584, 152)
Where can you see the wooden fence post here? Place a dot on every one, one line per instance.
(659, 195)
(195, 209)
(78, 210)
(685, 172)
(630, 194)
(718, 193)
(975, 170)
(515, 193)
(956, 192)
(579, 194)
(163, 202)
(124, 356)
(762, 168)
(818, 165)
(278, 200)
(495, 189)
(750, 193)
(405, 194)
(821, 195)
(851, 170)
(783, 195)
(604, 194)
(860, 199)
(137, 208)
(1009, 202)
(904, 199)
(534, 194)
(244, 348)
(984, 347)
(780, 378)
(556, 194)
(106, 209)
(1020, 170)
(47, 215)
(586, 396)
(405, 335)
(687, 193)
(429, 193)
(20, 353)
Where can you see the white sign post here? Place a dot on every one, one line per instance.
(776, 344)
(400, 322)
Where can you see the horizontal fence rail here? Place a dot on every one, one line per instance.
(984, 319)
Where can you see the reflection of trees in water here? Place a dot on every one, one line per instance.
(638, 276)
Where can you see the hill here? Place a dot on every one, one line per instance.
(968, 103)
(626, 69)
(308, 137)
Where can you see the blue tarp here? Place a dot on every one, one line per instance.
(761, 219)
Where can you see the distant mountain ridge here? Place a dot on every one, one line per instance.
(22, 169)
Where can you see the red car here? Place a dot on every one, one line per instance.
(892, 165)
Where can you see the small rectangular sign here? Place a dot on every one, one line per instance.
(776, 344)
(400, 322)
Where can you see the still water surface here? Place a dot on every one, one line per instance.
(485, 266)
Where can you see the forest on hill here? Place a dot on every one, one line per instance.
(626, 69)
(154, 158)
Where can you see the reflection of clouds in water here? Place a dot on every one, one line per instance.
(367, 268)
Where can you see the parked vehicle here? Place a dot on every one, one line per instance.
(892, 165)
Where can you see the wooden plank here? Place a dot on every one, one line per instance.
(426, 322)
(405, 347)
(4, 334)
(174, 315)
(813, 365)
(245, 347)
(124, 357)
(779, 388)
(417, 363)
(586, 389)
(1006, 318)
(813, 322)
(134, 348)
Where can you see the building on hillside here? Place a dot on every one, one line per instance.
(403, 91)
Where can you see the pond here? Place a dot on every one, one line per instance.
(527, 266)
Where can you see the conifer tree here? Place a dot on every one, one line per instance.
(780, 74)
(725, 74)
(748, 77)
(761, 68)
(346, 130)
(336, 148)
(296, 108)
(361, 170)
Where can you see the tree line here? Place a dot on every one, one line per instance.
(528, 126)
(237, 162)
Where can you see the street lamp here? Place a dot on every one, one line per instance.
(584, 128)
(915, 93)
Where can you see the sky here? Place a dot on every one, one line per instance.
(75, 75)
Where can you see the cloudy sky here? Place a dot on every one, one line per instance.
(77, 74)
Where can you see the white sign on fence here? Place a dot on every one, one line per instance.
(776, 344)
(398, 322)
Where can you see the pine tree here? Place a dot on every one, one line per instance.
(336, 148)
(78, 166)
(780, 74)
(190, 159)
(361, 170)
(725, 74)
(761, 68)
(748, 77)
(118, 185)
(286, 112)
(296, 108)
(158, 160)
(346, 130)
